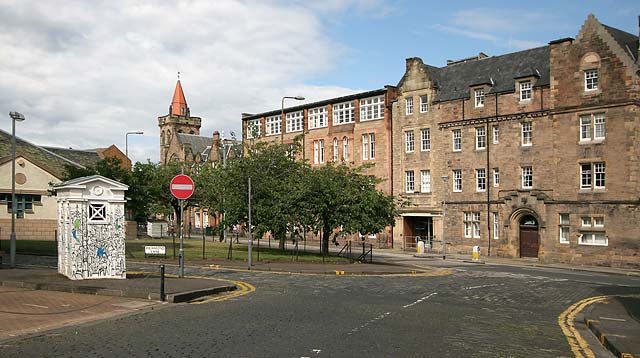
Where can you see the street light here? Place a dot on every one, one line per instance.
(297, 98)
(126, 142)
(444, 214)
(15, 116)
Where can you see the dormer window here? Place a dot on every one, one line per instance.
(525, 91)
(479, 95)
(591, 80)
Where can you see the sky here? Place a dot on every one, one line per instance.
(86, 72)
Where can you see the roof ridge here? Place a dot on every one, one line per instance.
(492, 57)
(47, 151)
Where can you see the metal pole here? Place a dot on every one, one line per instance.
(126, 145)
(181, 257)
(250, 242)
(14, 206)
(162, 282)
(444, 215)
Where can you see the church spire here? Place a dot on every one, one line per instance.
(179, 103)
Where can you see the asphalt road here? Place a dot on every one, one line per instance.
(475, 311)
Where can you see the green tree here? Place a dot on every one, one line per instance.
(340, 200)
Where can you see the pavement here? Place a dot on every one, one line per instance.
(614, 320)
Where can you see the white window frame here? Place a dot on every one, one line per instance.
(316, 152)
(456, 136)
(344, 113)
(592, 127)
(371, 108)
(457, 180)
(197, 218)
(295, 121)
(591, 80)
(409, 141)
(408, 104)
(336, 149)
(496, 134)
(425, 139)
(321, 150)
(472, 224)
(479, 95)
(481, 180)
(526, 91)
(496, 177)
(318, 117)
(274, 125)
(593, 175)
(425, 181)
(345, 149)
(564, 228)
(424, 104)
(589, 238)
(527, 177)
(526, 134)
(409, 182)
(372, 146)
(496, 226)
(481, 138)
(254, 123)
(365, 147)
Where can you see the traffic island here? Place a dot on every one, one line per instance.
(137, 285)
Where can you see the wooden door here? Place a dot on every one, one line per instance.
(529, 241)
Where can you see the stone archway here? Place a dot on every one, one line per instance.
(524, 225)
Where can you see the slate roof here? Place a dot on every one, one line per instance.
(198, 143)
(83, 157)
(453, 81)
(45, 158)
(625, 40)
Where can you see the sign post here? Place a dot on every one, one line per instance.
(181, 187)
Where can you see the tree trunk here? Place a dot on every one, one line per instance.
(326, 232)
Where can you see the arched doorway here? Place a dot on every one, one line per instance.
(529, 238)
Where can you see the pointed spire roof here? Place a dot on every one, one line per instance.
(179, 103)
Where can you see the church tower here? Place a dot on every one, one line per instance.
(179, 120)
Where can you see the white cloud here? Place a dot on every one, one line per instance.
(84, 73)
(501, 27)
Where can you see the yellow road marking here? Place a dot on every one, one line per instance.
(243, 287)
(579, 346)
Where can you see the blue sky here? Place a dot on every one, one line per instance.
(96, 70)
(379, 41)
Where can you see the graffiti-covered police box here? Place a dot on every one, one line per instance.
(91, 228)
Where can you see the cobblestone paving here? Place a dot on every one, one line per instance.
(470, 313)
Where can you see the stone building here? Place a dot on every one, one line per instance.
(538, 148)
(180, 140)
(355, 129)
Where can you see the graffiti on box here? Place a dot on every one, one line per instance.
(93, 249)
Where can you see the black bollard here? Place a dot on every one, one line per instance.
(162, 283)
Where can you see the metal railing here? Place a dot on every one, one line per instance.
(431, 245)
(365, 256)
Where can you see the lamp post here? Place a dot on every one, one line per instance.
(444, 215)
(126, 142)
(15, 116)
(297, 98)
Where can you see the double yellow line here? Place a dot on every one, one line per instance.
(243, 289)
(579, 346)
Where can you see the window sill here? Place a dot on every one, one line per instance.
(370, 119)
(481, 149)
(565, 242)
(591, 141)
(592, 244)
(457, 150)
(341, 124)
(592, 92)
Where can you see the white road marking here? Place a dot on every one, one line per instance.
(420, 300)
(28, 304)
(481, 286)
(316, 351)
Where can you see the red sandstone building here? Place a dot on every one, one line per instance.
(538, 148)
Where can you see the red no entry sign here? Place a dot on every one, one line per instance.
(181, 186)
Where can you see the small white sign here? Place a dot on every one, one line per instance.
(155, 250)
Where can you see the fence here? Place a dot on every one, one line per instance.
(431, 245)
